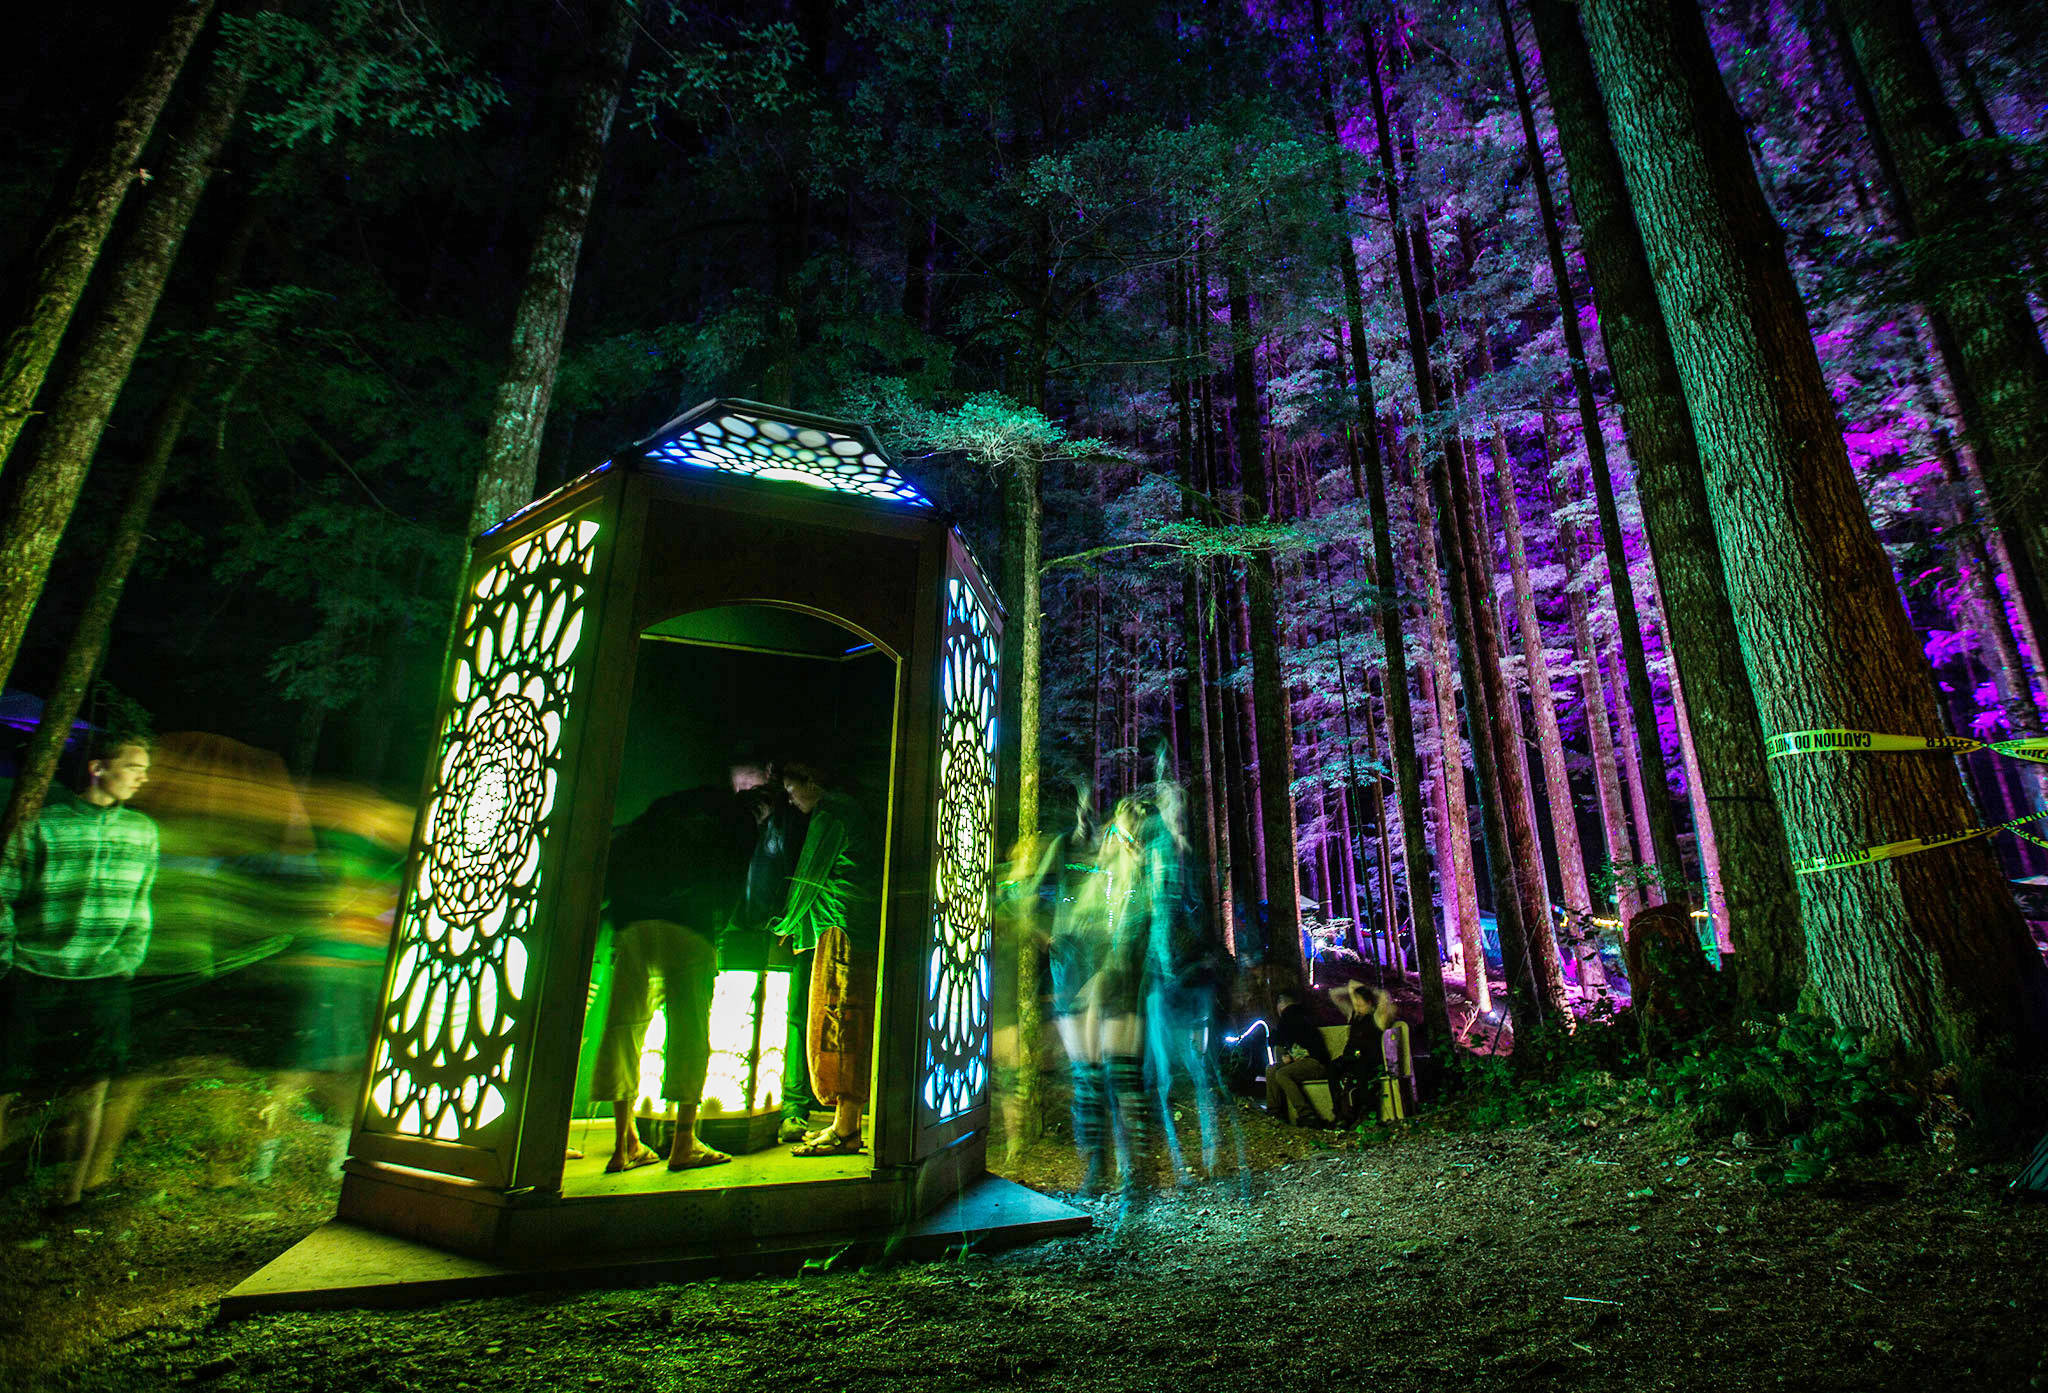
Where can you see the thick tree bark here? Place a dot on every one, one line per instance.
(1928, 946)
(1762, 911)
(1614, 819)
(88, 646)
(505, 479)
(1459, 888)
(1982, 321)
(1269, 692)
(1641, 700)
(64, 262)
(1564, 822)
(46, 489)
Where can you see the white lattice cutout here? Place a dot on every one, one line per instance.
(759, 447)
(955, 1073)
(451, 1026)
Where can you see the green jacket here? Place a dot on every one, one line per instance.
(837, 883)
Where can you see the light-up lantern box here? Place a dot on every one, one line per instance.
(466, 1102)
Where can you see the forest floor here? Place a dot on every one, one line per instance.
(1624, 1257)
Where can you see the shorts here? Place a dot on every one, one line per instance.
(56, 1031)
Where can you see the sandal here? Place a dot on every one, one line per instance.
(632, 1162)
(700, 1156)
(831, 1144)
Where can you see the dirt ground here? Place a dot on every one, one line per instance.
(1622, 1258)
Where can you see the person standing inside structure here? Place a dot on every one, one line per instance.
(779, 835)
(74, 926)
(672, 879)
(835, 914)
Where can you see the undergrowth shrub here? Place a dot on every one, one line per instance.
(1826, 1092)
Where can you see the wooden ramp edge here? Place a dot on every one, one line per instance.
(341, 1264)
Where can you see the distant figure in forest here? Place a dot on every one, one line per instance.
(835, 915)
(74, 925)
(671, 881)
(1304, 1056)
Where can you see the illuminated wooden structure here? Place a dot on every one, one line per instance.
(458, 1141)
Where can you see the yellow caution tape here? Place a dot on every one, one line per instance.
(1814, 865)
(1820, 742)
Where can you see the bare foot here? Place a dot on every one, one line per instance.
(631, 1161)
(696, 1157)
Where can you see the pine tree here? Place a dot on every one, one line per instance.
(1928, 946)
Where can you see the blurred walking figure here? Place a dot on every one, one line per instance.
(74, 926)
(1075, 949)
(1184, 984)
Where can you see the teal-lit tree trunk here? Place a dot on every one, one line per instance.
(1269, 689)
(519, 413)
(65, 260)
(1755, 870)
(1928, 946)
(1982, 319)
(1649, 748)
(47, 487)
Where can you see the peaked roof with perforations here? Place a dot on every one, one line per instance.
(773, 443)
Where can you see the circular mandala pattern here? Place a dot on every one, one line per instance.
(492, 810)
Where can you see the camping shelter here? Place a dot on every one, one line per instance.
(735, 528)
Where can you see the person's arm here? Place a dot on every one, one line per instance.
(815, 896)
(134, 942)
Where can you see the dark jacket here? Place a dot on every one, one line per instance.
(684, 860)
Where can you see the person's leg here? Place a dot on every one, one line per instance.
(840, 1039)
(1090, 1102)
(626, 1017)
(690, 968)
(1294, 1102)
(117, 1120)
(1122, 1038)
(88, 1104)
(798, 1099)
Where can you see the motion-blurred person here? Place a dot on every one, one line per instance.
(671, 881)
(335, 966)
(1184, 985)
(1076, 949)
(835, 915)
(779, 832)
(74, 925)
(1118, 898)
(1369, 1012)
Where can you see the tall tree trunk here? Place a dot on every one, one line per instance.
(1564, 822)
(1762, 910)
(87, 649)
(1269, 692)
(1982, 318)
(1928, 946)
(64, 261)
(519, 415)
(47, 488)
(1703, 830)
(1614, 818)
(1642, 705)
(1365, 440)
(1456, 872)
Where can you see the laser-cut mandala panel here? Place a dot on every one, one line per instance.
(455, 1019)
(759, 447)
(956, 1027)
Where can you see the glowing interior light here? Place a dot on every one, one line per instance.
(739, 1079)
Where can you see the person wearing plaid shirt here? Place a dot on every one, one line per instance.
(74, 925)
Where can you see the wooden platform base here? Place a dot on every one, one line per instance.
(342, 1264)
